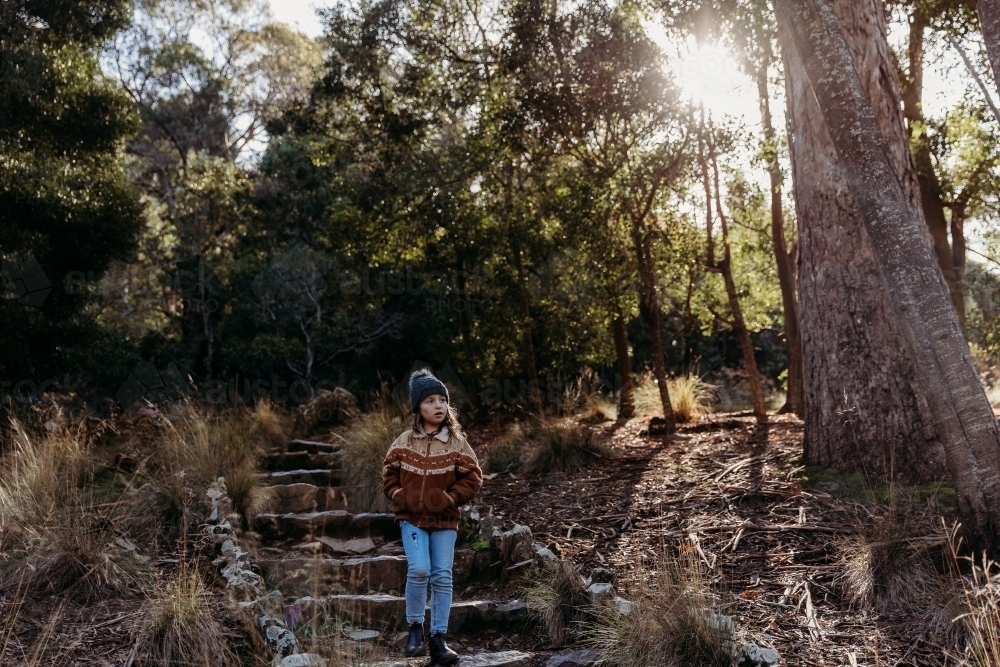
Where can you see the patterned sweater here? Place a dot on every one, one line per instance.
(427, 478)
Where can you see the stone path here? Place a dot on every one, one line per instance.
(341, 575)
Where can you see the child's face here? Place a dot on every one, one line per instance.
(433, 410)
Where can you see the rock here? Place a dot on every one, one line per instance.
(487, 524)
(327, 407)
(364, 635)
(297, 577)
(317, 477)
(313, 447)
(399, 641)
(461, 569)
(516, 545)
(357, 545)
(544, 558)
(623, 606)
(600, 593)
(301, 660)
(751, 655)
(722, 623)
(578, 658)
(468, 523)
(294, 498)
(601, 575)
(376, 573)
(501, 659)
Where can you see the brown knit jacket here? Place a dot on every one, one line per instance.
(428, 478)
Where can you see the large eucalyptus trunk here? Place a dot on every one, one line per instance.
(921, 309)
(863, 408)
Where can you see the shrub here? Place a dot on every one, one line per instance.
(561, 601)
(506, 453)
(363, 451)
(671, 621)
(196, 447)
(47, 512)
(562, 446)
(181, 629)
(690, 397)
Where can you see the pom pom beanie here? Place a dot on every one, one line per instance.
(424, 384)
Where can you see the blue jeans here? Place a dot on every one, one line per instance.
(429, 557)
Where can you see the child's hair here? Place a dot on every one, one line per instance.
(450, 420)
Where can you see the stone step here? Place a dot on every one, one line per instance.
(388, 612)
(313, 447)
(328, 523)
(298, 577)
(304, 498)
(297, 460)
(499, 659)
(317, 477)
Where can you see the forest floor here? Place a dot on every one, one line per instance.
(772, 537)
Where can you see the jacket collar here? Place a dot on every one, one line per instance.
(442, 436)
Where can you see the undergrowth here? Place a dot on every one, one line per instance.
(363, 448)
(690, 397)
(561, 446)
(672, 621)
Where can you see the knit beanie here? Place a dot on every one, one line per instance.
(424, 384)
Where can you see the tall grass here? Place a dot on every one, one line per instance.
(363, 449)
(561, 446)
(671, 622)
(196, 447)
(690, 397)
(180, 629)
(561, 602)
(54, 538)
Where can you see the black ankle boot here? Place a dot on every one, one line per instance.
(440, 653)
(415, 644)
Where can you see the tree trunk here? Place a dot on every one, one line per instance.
(863, 409)
(931, 195)
(534, 393)
(649, 307)
(626, 401)
(783, 260)
(989, 19)
(915, 288)
(746, 345)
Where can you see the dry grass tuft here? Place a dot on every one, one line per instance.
(364, 447)
(41, 475)
(506, 453)
(671, 622)
(890, 569)
(562, 446)
(690, 397)
(273, 423)
(57, 539)
(181, 629)
(561, 601)
(197, 447)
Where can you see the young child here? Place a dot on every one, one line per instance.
(428, 473)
